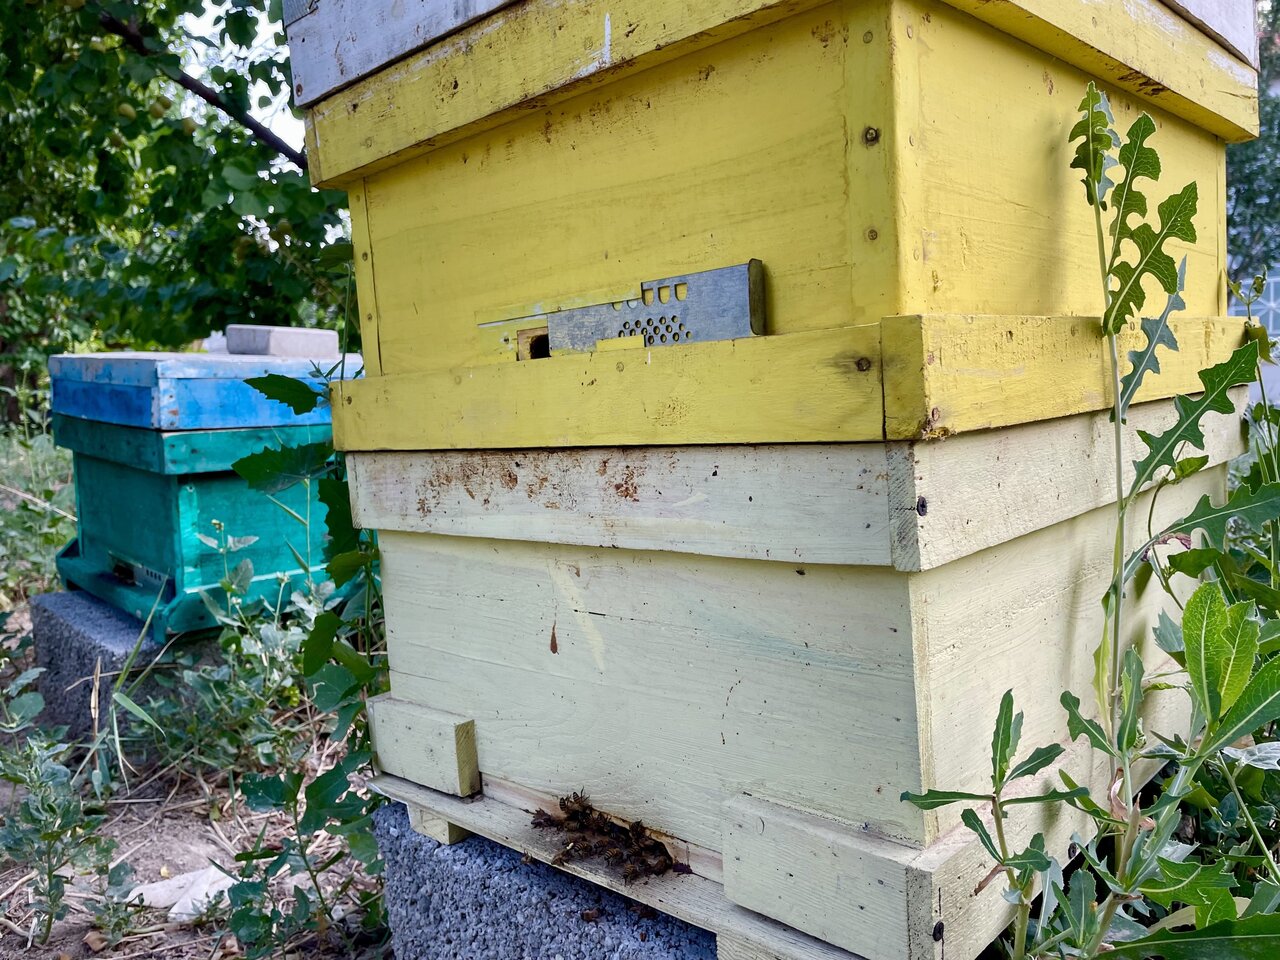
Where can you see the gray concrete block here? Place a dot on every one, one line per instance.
(478, 900)
(249, 338)
(71, 633)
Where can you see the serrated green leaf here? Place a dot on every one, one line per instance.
(272, 470)
(1252, 938)
(1097, 139)
(1203, 621)
(1039, 758)
(1033, 859)
(300, 396)
(1240, 633)
(933, 799)
(1238, 369)
(1157, 332)
(1139, 162)
(335, 494)
(1221, 906)
(1004, 740)
(1246, 504)
(1078, 724)
(1175, 215)
(1258, 705)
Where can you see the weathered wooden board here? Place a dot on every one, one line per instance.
(910, 505)
(760, 389)
(1233, 23)
(1025, 615)
(660, 682)
(336, 42)
(980, 489)
(509, 65)
(429, 747)
(714, 676)
(950, 374)
(794, 503)
(690, 898)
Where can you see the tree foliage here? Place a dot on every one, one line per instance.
(136, 202)
(1253, 168)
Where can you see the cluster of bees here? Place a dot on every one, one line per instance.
(590, 834)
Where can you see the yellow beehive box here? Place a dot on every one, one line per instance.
(881, 158)
(749, 588)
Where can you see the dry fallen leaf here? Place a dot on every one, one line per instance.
(96, 941)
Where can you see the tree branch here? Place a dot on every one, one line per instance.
(136, 42)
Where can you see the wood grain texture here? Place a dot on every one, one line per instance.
(1233, 23)
(1025, 615)
(427, 746)
(340, 41)
(794, 866)
(795, 503)
(951, 498)
(690, 898)
(662, 683)
(504, 65)
(1143, 47)
(761, 389)
(909, 505)
(437, 828)
(950, 374)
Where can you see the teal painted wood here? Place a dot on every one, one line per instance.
(141, 515)
(181, 451)
(181, 391)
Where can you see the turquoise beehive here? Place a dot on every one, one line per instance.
(153, 438)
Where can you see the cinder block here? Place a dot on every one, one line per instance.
(478, 899)
(261, 340)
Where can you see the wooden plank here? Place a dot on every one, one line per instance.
(1142, 47)
(427, 746)
(1233, 23)
(437, 828)
(1026, 616)
(366, 281)
(1022, 242)
(491, 69)
(690, 898)
(953, 498)
(948, 374)
(794, 503)
(708, 675)
(820, 385)
(340, 41)
(817, 876)
(533, 55)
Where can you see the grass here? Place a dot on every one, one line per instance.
(37, 511)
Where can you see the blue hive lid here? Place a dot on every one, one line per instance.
(182, 391)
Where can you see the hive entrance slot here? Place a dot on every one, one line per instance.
(533, 344)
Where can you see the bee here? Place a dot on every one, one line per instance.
(543, 819)
(637, 830)
(612, 856)
(576, 804)
(661, 865)
(631, 872)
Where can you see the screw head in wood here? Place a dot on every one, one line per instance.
(871, 136)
